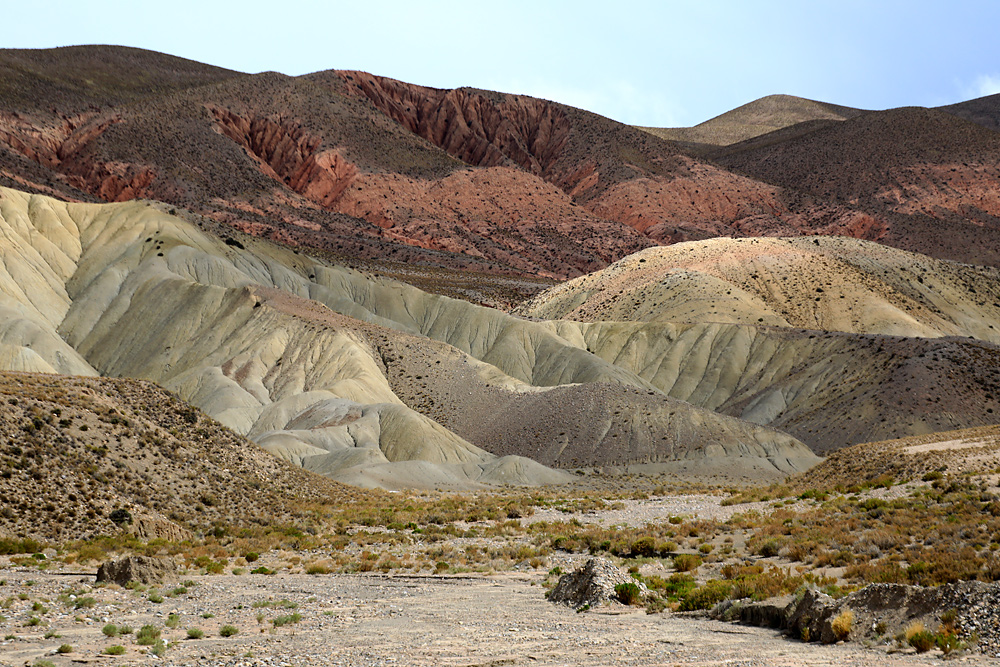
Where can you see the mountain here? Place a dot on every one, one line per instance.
(761, 116)
(928, 178)
(295, 161)
(371, 169)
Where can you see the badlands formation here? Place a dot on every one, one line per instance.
(362, 379)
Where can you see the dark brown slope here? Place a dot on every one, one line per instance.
(75, 79)
(983, 111)
(48, 97)
(75, 449)
(928, 178)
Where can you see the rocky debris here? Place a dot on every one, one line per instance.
(142, 569)
(591, 585)
(881, 612)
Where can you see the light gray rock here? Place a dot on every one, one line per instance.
(591, 585)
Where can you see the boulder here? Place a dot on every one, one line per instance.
(591, 585)
(141, 569)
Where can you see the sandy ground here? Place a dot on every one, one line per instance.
(371, 619)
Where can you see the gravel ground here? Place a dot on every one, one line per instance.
(641, 512)
(459, 620)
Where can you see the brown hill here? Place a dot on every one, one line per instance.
(79, 448)
(928, 178)
(983, 111)
(972, 451)
(762, 116)
(831, 284)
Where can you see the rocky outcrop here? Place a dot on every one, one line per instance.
(480, 128)
(881, 611)
(290, 155)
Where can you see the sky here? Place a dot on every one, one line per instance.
(665, 64)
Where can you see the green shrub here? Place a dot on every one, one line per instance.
(628, 593)
(706, 596)
(110, 630)
(173, 620)
(147, 635)
(117, 649)
(195, 633)
(678, 586)
(285, 620)
(922, 640)
(64, 648)
(644, 547)
(686, 562)
(228, 631)
(155, 597)
(769, 548)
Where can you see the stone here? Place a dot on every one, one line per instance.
(141, 569)
(591, 585)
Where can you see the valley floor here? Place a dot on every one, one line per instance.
(374, 619)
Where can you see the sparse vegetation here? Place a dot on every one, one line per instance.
(628, 593)
(842, 624)
(147, 635)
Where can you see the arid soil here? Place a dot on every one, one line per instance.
(399, 620)
(293, 618)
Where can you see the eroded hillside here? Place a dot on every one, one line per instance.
(366, 380)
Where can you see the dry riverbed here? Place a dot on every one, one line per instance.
(373, 619)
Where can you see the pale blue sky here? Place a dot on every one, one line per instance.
(646, 63)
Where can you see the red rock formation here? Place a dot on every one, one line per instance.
(479, 130)
(290, 155)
